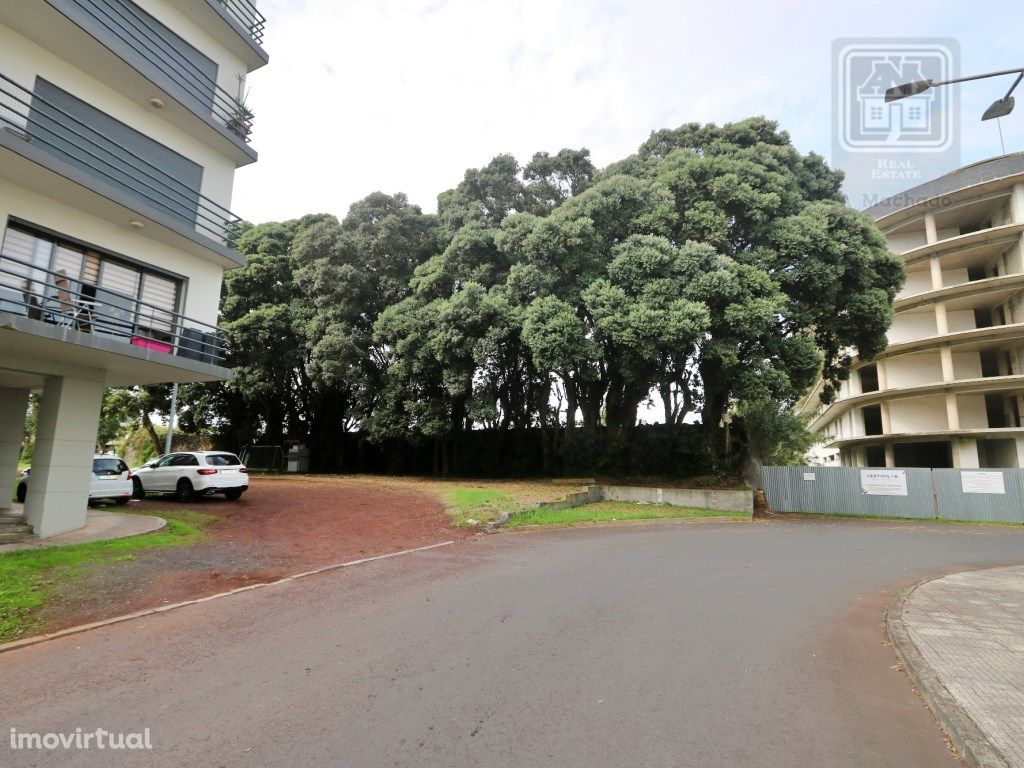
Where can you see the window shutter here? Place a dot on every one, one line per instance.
(160, 297)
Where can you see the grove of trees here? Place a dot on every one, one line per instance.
(716, 270)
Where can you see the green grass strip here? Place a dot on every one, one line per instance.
(609, 511)
(30, 577)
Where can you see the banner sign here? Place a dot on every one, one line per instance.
(982, 482)
(883, 482)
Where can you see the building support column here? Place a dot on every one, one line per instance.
(931, 232)
(965, 454)
(941, 321)
(890, 455)
(13, 407)
(1020, 451)
(946, 357)
(952, 412)
(58, 494)
(936, 270)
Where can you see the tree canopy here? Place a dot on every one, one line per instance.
(716, 269)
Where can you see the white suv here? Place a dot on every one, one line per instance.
(111, 480)
(193, 473)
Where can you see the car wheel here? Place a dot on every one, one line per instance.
(184, 490)
(22, 492)
(233, 495)
(138, 492)
(121, 501)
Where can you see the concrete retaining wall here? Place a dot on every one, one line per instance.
(724, 501)
(591, 495)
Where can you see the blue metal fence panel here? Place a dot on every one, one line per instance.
(838, 490)
(982, 500)
(978, 495)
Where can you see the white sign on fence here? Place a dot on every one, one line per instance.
(808, 475)
(982, 482)
(883, 482)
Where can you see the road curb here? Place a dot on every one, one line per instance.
(974, 747)
(35, 640)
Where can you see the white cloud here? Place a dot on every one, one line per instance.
(404, 95)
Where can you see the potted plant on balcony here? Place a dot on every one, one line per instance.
(240, 116)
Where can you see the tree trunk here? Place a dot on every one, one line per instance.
(151, 430)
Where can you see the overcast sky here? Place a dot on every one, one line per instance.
(404, 95)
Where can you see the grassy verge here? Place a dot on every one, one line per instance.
(29, 577)
(609, 511)
(473, 506)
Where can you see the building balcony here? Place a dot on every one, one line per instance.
(981, 433)
(236, 24)
(976, 294)
(984, 385)
(138, 56)
(48, 318)
(39, 130)
(968, 250)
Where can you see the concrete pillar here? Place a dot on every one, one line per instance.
(69, 414)
(1017, 204)
(13, 406)
(946, 356)
(883, 377)
(936, 269)
(941, 323)
(952, 412)
(965, 454)
(931, 233)
(890, 455)
(1020, 451)
(886, 419)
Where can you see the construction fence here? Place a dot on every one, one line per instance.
(978, 495)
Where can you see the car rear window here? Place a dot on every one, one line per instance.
(112, 466)
(222, 459)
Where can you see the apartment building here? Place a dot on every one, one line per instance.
(947, 391)
(121, 125)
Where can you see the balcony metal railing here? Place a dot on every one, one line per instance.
(48, 126)
(68, 302)
(140, 35)
(245, 13)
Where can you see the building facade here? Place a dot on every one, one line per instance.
(122, 123)
(947, 391)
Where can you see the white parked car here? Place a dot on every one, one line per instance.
(189, 474)
(111, 480)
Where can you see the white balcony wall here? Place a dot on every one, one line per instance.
(913, 370)
(961, 320)
(202, 291)
(966, 365)
(22, 60)
(972, 412)
(905, 241)
(909, 326)
(918, 414)
(918, 281)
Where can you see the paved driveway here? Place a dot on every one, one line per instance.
(702, 644)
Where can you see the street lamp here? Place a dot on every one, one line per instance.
(999, 108)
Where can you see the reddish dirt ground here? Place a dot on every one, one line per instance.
(279, 527)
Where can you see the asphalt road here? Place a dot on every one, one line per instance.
(700, 644)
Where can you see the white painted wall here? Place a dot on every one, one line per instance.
(202, 291)
(22, 60)
(913, 370)
(918, 414)
(229, 66)
(972, 412)
(909, 326)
